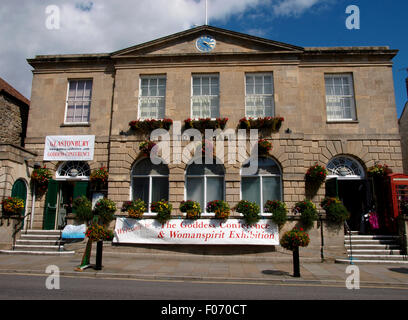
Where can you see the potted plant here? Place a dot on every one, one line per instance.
(220, 208)
(336, 212)
(146, 147)
(250, 210)
(135, 208)
(292, 240)
(308, 212)
(191, 208)
(316, 174)
(264, 146)
(12, 206)
(279, 211)
(162, 209)
(99, 178)
(41, 177)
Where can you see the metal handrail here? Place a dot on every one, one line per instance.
(351, 245)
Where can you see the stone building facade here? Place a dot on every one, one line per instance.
(14, 158)
(337, 103)
(403, 126)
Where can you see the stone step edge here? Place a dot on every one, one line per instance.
(359, 261)
(45, 253)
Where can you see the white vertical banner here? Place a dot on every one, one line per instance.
(69, 148)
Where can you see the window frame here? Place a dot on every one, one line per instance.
(272, 95)
(201, 75)
(150, 77)
(353, 107)
(261, 176)
(204, 177)
(151, 176)
(67, 102)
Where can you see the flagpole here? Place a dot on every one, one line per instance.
(206, 12)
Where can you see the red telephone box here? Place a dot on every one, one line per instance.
(398, 184)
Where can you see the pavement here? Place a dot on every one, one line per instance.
(207, 269)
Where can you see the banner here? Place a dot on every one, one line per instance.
(69, 148)
(198, 232)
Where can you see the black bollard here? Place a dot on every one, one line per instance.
(99, 251)
(296, 264)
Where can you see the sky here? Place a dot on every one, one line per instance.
(28, 27)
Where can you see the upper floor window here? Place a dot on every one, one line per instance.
(340, 97)
(79, 101)
(205, 101)
(259, 97)
(152, 98)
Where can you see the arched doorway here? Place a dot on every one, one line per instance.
(347, 180)
(71, 182)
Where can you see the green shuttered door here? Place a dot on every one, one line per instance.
(50, 210)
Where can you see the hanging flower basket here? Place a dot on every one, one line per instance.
(205, 123)
(162, 209)
(40, 177)
(105, 209)
(250, 210)
(308, 212)
(147, 126)
(96, 232)
(316, 174)
(379, 171)
(336, 212)
(220, 208)
(99, 178)
(146, 147)
(12, 206)
(264, 147)
(278, 210)
(135, 209)
(191, 208)
(294, 239)
(269, 123)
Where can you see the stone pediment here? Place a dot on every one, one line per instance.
(227, 42)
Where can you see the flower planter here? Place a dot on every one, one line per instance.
(268, 123)
(205, 123)
(12, 207)
(147, 126)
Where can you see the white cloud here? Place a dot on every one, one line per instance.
(104, 26)
(294, 7)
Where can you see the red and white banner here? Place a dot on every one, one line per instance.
(69, 148)
(199, 232)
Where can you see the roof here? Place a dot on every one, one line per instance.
(265, 43)
(7, 88)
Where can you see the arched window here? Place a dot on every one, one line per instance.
(150, 182)
(74, 170)
(263, 185)
(344, 167)
(205, 183)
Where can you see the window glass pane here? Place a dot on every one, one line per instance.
(215, 188)
(160, 189)
(141, 189)
(250, 189)
(72, 90)
(146, 167)
(70, 113)
(80, 90)
(339, 97)
(195, 190)
(271, 188)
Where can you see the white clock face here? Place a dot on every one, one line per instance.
(206, 44)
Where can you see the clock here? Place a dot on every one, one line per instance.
(206, 44)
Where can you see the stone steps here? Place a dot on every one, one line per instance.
(380, 249)
(39, 242)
